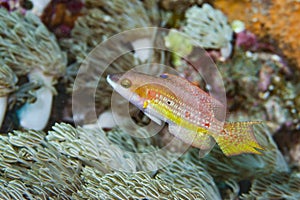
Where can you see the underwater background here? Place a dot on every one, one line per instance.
(53, 147)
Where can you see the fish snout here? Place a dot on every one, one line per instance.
(114, 77)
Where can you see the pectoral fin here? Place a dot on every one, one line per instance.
(199, 140)
(153, 118)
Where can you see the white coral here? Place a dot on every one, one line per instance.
(209, 28)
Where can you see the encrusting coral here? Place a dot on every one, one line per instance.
(280, 23)
(235, 9)
(273, 21)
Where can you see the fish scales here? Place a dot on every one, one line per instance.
(167, 103)
(191, 113)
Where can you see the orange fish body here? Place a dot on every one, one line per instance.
(191, 113)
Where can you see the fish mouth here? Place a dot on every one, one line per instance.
(113, 79)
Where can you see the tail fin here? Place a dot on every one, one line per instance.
(238, 138)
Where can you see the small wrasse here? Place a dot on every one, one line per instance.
(188, 110)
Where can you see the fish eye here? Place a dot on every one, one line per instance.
(126, 83)
(164, 76)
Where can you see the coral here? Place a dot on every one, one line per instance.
(19, 5)
(60, 16)
(8, 80)
(275, 21)
(246, 40)
(173, 11)
(130, 163)
(238, 26)
(32, 168)
(191, 176)
(28, 48)
(275, 186)
(102, 20)
(90, 146)
(259, 85)
(179, 44)
(138, 13)
(99, 65)
(208, 27)
(140, 185)
(234, 9)
(203, 27)
(90, 30)
(281, 24)
(178, 6)
(82, 163)
(26, 44)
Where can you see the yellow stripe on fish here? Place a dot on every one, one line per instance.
(187, 109)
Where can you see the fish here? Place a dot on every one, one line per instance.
(191, 113)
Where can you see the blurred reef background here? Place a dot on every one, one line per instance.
(43, 155)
